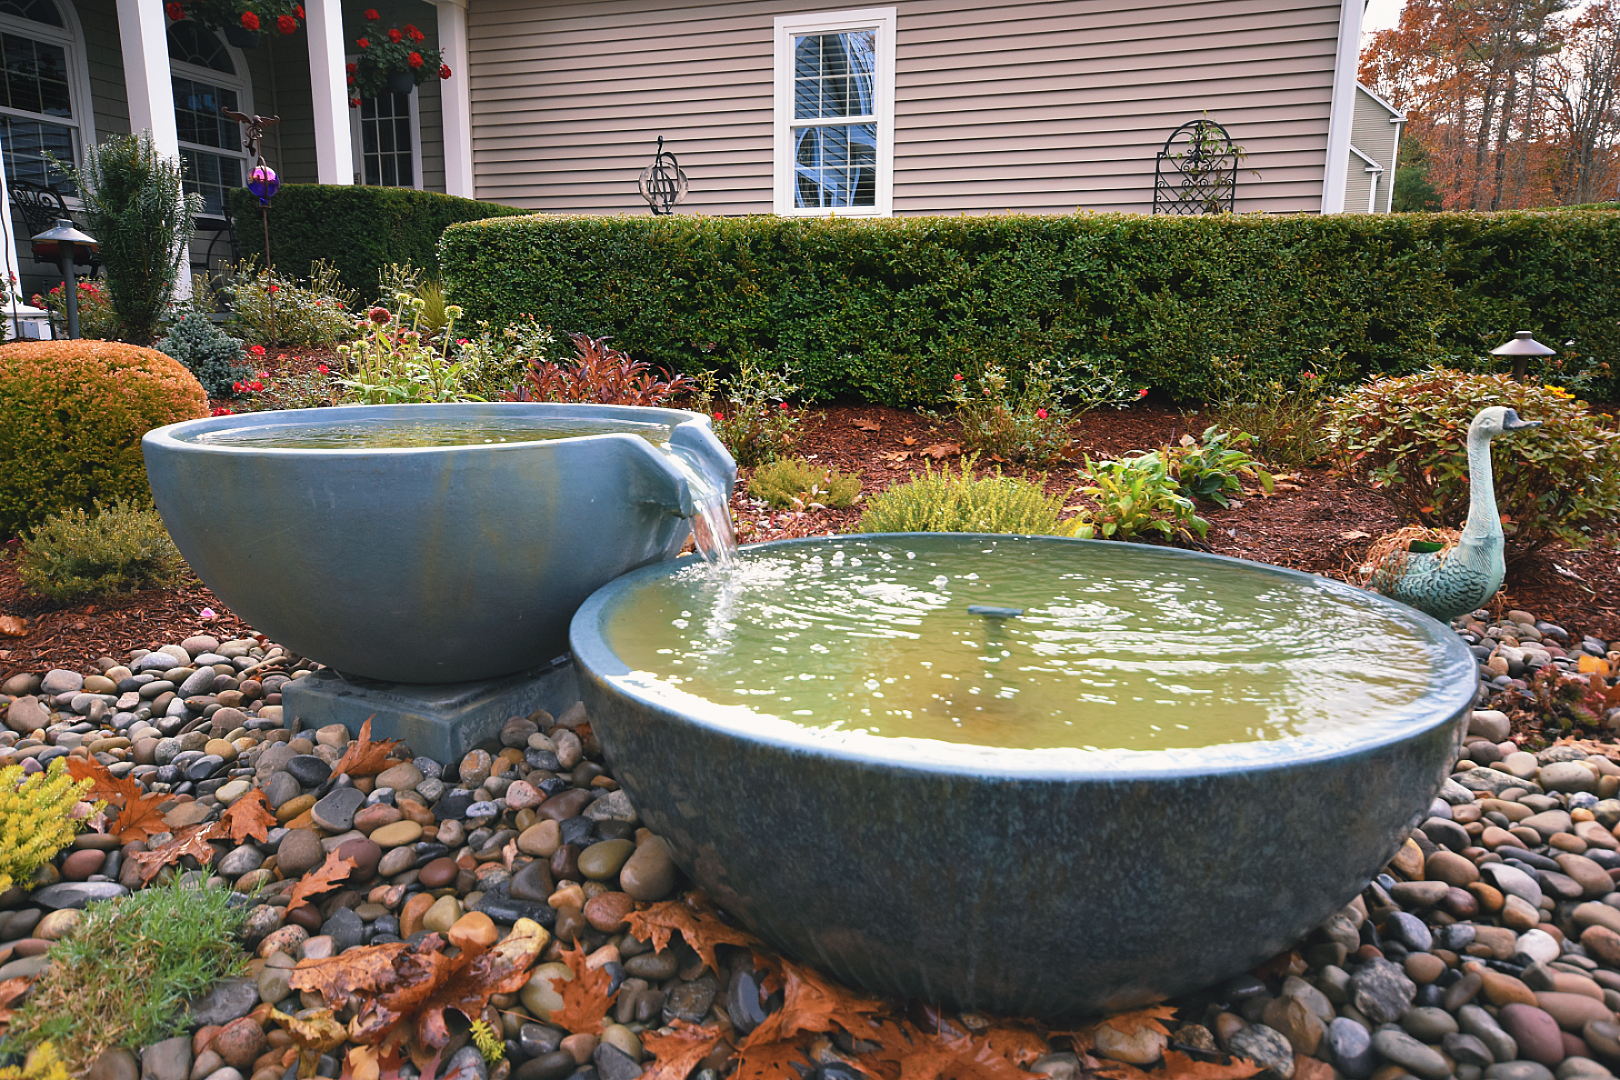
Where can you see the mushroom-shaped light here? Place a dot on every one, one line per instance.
(63, 240)
(49, 242)
(1522, 348)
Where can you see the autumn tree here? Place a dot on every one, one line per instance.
(1586, 106)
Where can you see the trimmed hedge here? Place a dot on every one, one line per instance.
(888, 310)
(358, 229)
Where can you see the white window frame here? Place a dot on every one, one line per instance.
(358, 143)
(882, 20)
(237, 81)
(70, 37)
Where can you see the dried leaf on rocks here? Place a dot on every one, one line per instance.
(315, 1031)
(475, 976)
(679, 1052)
(248, 816)
(363, 757)
(1178, 1066)
(416, 975)
(1019, 1045)
(340, 979)
(585, 999)
(1152, 1017)
(191, 840)
(941, 451)
(138, 815)
(12, 626)
(699, 926)
(10, 991)
(323, 879)
(866, 425)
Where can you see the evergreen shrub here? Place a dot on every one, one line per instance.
(887, 310)
(359, 229)
(209, 353)
(119, 548)
(959, 502)
(72, 414)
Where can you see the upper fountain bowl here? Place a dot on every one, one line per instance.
(428, 543)
(1024, 775)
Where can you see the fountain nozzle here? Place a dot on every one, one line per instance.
(995, 612)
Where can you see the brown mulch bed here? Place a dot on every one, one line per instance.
(1315, 521)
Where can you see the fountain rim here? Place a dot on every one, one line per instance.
(173, 436)
(1450, 697)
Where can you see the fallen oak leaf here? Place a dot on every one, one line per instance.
(866, 425)
(1179, 1066)
(13, 626)
(417, 973)
(342, 979)
(191, 840)
(477, 975)
(941, 451)
(322, 879)
(698, 926)
(585, 997)
(10, 991)
(679, 1052)
(1020, 1045)
(363, 756)
(249, 816)
(1129, 1023)
(138, 816)
(909, 441)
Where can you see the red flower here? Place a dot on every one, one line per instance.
(1142, 393)
(781, 405)
(298, 10)
(322, 368)
(222, 411)
(351, 80)
(412, 32)
(256, 350)
(444, 71)
(287, 24)
(176, 12)
(393, 35)
(255, 385)
(415, 59)
(379, 315)
(351, 68)
(1308, 374)
(1040, 414)
(719, 416)
(262, 375)
(250, 21)
(239, 387)
(354, 103)
(363, 43)
(274, 289)
(957, 377)
(371, 14)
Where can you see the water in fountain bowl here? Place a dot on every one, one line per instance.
(390, 431)
(1021, 645)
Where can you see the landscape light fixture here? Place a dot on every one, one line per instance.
(1522, 348)
(65, 241)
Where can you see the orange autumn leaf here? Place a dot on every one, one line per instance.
(322, 879)
(341, 979)
(679, 1052)
(191, 840)
(1152, 1017)
(10, 991)
(1587, 664)
(417, 974)
(585, 998)
(907, 1052)
(363, 757)
(476, 975)
(773, 1059)
(138, 817)
(1019, 1045)
(248, 816)
(700, 927)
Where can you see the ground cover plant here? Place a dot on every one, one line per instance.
(796, 484)
(944, 501)
(113, 549)
(37, 819)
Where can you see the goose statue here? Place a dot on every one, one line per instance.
(1447, 584)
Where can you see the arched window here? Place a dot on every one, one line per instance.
(207, 78)
(45, 95)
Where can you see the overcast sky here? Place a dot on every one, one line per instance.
(1380, 15)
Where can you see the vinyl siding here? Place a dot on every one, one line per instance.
(1371, 132)
(1039, 107)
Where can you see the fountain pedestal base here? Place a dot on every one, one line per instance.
(441, 721)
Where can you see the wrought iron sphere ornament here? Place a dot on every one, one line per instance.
(662, 183)
(1522, 348)
(263, 183)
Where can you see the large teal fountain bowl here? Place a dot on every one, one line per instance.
(428, 543)
(1234, 751)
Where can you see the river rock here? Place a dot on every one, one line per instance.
(1419, 1060)
(650, 873)
(1351, 1047)
(1265, 1047)
(1535, 1031)
(1141, 1047)
(1381, 991)
(167, 1060)
(300, 852)
(26, 715)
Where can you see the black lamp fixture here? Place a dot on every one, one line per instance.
(63, 240)
(1522, 348)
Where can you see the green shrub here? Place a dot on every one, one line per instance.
(209, 353)
(360, 229)
(1214, 466)
(1136, 495)
(123, 976)
(798, 485)
(887, 310)
(120, 548)
(1279, 405)
(137, 211)
(98, 317)
(270, 308)
(947, 502)
(1407, 437)
(72, 414)
(750, 410)
(499, 360)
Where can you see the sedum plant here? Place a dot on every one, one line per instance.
(36, 818)
(959, 502)
(42, 1063)
(1135, 496)
(795, 484)
(1407, 437)
(120, 548)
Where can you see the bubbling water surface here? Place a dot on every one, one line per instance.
(1116, 646)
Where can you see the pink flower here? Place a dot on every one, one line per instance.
(256, 350)
(207, 613)
(378, 315)
(262, 375)
(1040, 414)
(1308, 374)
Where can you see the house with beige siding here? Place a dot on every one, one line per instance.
(1375, 143)
(771, 106)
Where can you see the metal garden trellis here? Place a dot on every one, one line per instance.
(1196, 172)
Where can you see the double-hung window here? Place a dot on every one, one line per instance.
(835, 113)
(43, 100)
(205, 78)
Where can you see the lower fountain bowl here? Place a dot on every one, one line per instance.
(1030, 885)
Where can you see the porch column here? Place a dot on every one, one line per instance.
(334, 157)
(456, 99)
(143, 35)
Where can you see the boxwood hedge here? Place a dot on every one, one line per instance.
(888, 310)
(358, 229)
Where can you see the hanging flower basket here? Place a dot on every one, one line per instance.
(243, 22)
(392, 61)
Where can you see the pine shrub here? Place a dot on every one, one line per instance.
(209, 353)
(72, 414)
(796, 484)
(948, 502)
(1408, 438)
(120, 548)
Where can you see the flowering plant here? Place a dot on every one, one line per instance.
(253, 16)
(97, 317)
(1030, 423)
(398, 50)
(392, 362)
